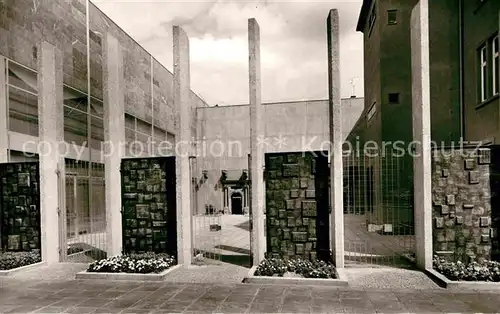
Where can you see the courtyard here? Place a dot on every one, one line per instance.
(216, 289)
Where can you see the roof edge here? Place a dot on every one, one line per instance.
(363, 14)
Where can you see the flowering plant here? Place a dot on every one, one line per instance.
(133, 263)
(474, 271)
(11, 260)
(305, 268)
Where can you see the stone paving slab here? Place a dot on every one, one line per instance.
(84, 296)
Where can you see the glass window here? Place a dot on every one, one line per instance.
(23, 111)
(159, 134)
(143, 127)
(129, 121)
(22, 77)
(484, 73)
(75, 99)
(495, 68)
(96, 107)
(97, 132)
(392, 17)
(75, 126)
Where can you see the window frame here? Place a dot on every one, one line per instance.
(395, 21)
(495, 59)
(372, 18)
(483, 70)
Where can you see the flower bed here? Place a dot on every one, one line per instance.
(12, 260)
(148, 263)
(295, 268)
(296, 272)
(488, 271)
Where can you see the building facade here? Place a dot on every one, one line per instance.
(78, 30)
(463, 75)
(463, 62)
(224, 131)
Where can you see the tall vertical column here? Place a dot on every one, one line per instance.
(114, 137)
(4, 115)
(335, 124)
(182, 91)
(256, 149)
(422, 167)
(51, 133)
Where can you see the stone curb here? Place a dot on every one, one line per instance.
(5, 273)
(444, 282)
(126, 276)
(341, 280)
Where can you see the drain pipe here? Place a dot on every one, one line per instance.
(461, 67)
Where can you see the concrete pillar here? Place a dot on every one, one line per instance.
(51, 133)
(422, 167)
(256, 149)
(182, 92)
(4, 114)
(335, 125)
(114, 137)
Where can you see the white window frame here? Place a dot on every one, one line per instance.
(483, 69)
(495, 63)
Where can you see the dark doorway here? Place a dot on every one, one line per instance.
(236, 204)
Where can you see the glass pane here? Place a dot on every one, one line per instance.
(129, 121)
(495, 75)
(159, 134)
(22, 77)
(75, 126)
(96, 33)
(23, 112)
(129, 135)
(97, 132)
(143, 127)
(96, 108)
(143, 138)
(75, 99)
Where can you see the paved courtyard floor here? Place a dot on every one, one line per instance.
(86, 296)
(218, 289)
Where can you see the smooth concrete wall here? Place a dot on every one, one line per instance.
(224, 137)
(301, 124)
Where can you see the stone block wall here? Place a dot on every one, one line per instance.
(464, 222)
(19, 207)
(297, 213)
(149, 205)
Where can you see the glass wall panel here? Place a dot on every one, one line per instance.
(23, 111)
(97, 132)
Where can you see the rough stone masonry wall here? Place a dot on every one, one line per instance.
(19, 207)
(149, 219)
(297, 205)
(462, 204)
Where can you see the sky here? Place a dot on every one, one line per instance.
(293, 44)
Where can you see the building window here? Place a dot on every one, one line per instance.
(392, 17)
(22, 98)
(371, 20)
(371, 112)
(483, 72)
(393, 98)
(488, 72)
(495, 68)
